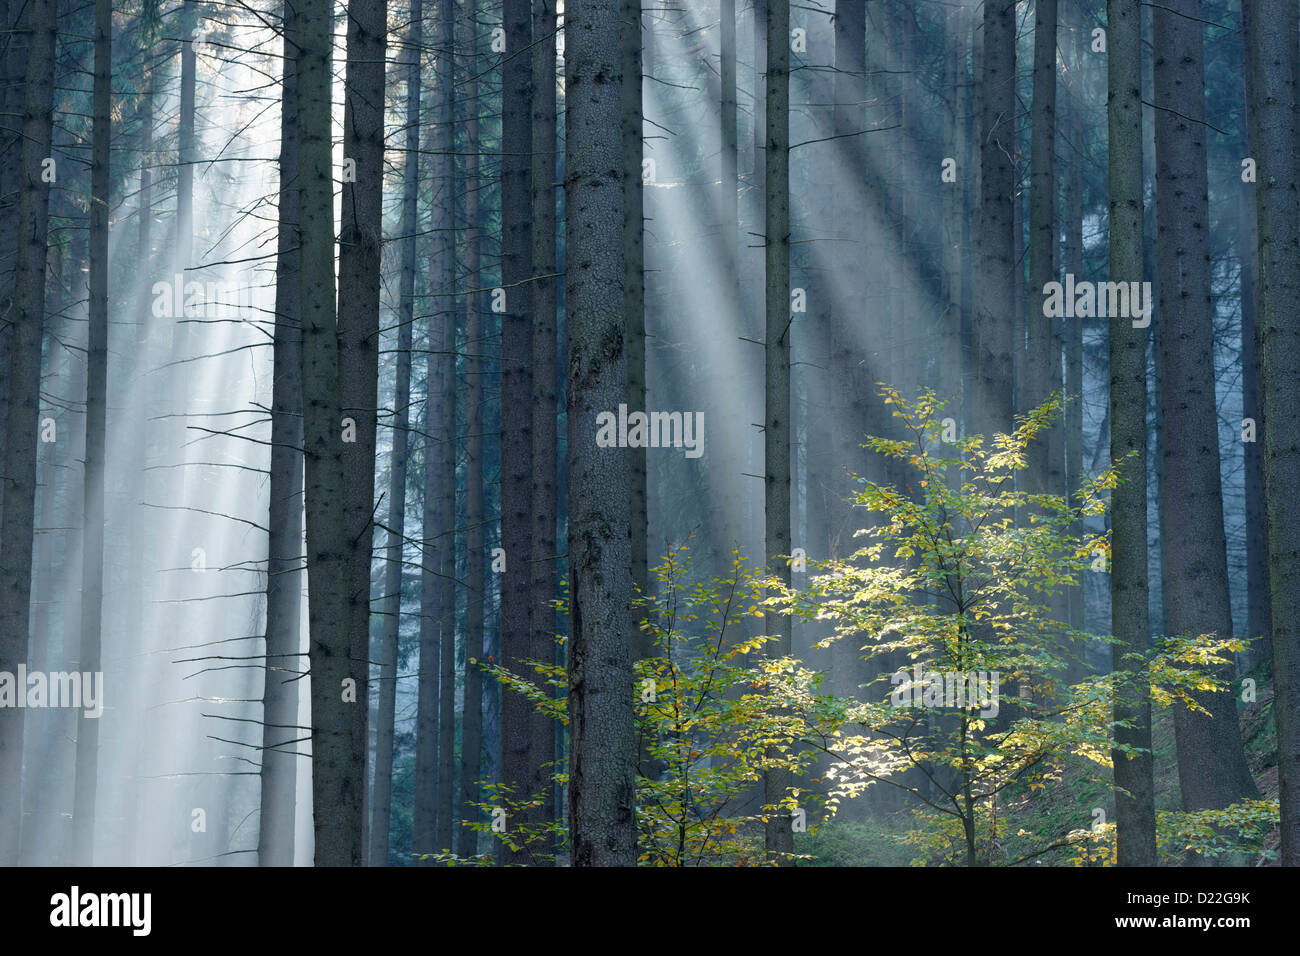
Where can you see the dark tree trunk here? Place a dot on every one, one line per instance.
(22, 423)
(1043, 356)
(1073, 328)
(1135, 816)
(92, 546)
(542, 560)
(848, 395)
(181, 379)
(779, 838)
(723, 502)
(360, 241)
(603, 641)
(445, 310)
(476, 647)
(519, 756)
(1274, 73)
(995, 315)
(381, 804)
(137, 593)
(13, 62)
(634, 283)
(1259, 624)
(1212, 769)
(336, 678)
(281, 735)
(433, 615)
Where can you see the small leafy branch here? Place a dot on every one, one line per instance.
(708, 722)
(705, 721)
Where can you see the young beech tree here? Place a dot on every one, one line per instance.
(706, 728)
(950, 580)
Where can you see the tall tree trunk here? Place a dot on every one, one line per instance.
(815, 420)
(815, 347)
(141, 364)
(1046, 456)
(730, 157)
(995, 317)
(747, 521)
(997, 334)
(44, 827)
(886, 59)
(1275, 78)
(779, 835)
(13, 59)
(603, 641)
(1135, 817)
(77, 290)
(335, 676)
(281, 736)
(92, 547)
(1212, 769)
(445, 309)
(518, 754)
(382, 802)
(634, 284)
(948, 361)
(360, 240)
(1073, 215)
(971, 190)
(76, 268)
(542, 560)
(433, 615)
(181, 378)
(22, 422)
(1019, 257)
(1043, 352)
(475, 590)
(848, 396)
(179, 390)
(437, 614)
(729, 444)
(185, 135)
(1259, 624)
